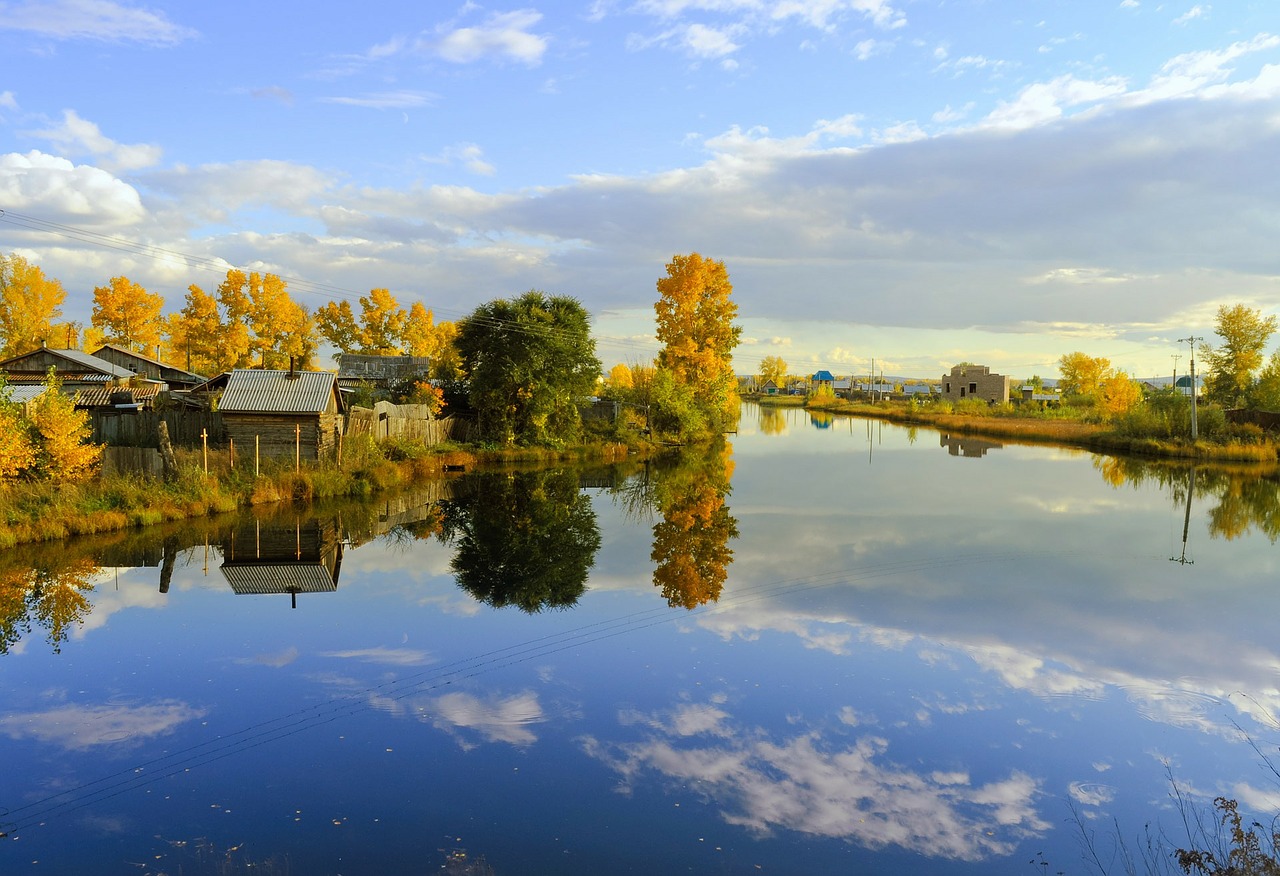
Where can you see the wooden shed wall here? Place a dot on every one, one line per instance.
(276, 435)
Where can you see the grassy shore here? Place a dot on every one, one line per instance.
(1043, 428)
(33, 511)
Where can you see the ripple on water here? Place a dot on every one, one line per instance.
(1172, 704)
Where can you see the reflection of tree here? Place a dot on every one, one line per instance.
(524, 539)
(691, 542)
(52, 596)
(772, 422)
(1246, 498)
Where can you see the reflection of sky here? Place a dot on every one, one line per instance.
(918, 661)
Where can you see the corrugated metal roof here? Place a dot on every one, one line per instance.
(255, 392)
(20, 395)
(100, 396)
(92, 362)
(264, 578)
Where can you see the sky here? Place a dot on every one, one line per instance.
(904, 183)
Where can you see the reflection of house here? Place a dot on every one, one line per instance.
(280, 411)
(967, 445)
(975, 381)
(144, 366)
(278, 557)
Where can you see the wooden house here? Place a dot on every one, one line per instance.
(145, 366)
(282, 412)
(75, 368)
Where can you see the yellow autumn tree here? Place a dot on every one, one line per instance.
(276, 328)
(620, 377)
(63, 450)
(773, 368)
(695, 316)
(336, 323)
(128, 314)
(382, 323)
(17, 451)
(29, 303)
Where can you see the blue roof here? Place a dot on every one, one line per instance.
(824, 375)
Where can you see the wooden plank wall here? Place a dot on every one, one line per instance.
(386, 424)
(142, 428)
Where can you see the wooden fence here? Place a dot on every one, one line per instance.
(1269, 420)
(415, 422)
(142, 428)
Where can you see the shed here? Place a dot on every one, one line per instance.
(281, 410)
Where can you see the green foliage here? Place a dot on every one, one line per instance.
(1231, 365)
(530, 361)
(675, 410)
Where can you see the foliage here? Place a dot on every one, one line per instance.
(1264, 394)
(1082, 374)
(1231, 365)
(275, 328)
(51, 594)
(128, 314)
(619, 379)
(773, 368)
(17, 450)
(29, 302)
(1248, 853)
(530, 361)
(63, 451)
(525, 539)
(674, 408)
(695, 325)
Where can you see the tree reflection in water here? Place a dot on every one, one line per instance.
(1246, 497)
(526, 539)
(50, 593)
(691, 541)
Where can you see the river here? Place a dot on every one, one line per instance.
(832, 646)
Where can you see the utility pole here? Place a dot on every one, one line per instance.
(1176, 357)
(1192, 341)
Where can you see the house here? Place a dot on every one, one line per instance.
(282, 412)
(823, 379)
(145, 366)
(74, 368)
(768, 388)
(382, 372)
(975, 381)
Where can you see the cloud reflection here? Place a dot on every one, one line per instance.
(80, 728)
(806, 784)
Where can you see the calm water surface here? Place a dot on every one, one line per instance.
(836, 646)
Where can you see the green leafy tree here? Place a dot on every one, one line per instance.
(695, 313)
(530, 361)
(29, 303)
(1232, 363)
(1264, 395)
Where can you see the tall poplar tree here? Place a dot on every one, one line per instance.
(695, 325)
(29, 303)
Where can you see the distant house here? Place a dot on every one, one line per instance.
(280, 411)
(768, 388)
(382, 372)
(975, 381)
(822, 379)
(74, 368)
(145, 366)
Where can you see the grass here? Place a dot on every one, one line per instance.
(34, 511)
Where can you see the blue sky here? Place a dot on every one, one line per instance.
(916, 181)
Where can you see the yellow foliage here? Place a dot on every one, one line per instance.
(128, 313)
(64, 452)
(17, 452)
(29, 302)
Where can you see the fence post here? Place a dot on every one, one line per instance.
(231, 443)
(204, 442)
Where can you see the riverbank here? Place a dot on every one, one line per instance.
(33, 511)
(1260, 449)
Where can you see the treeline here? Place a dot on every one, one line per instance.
(522, 366)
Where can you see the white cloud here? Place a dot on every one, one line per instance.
(77, 137)
(496, 719)
(1192, 14)
(383, 655)
(1041, 102)
(57, 190)
(705, 42)
(8, 101)
(93, 20)
(388, 100)
(503, 36)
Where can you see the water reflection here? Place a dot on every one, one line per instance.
(283, 559)
(51, 593)
(967, 445)
(526, 539)
(772, 422)
(691, 542)
(1243, 498)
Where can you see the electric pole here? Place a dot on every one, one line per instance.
(1192, 341)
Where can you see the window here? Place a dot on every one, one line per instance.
(973, 389)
